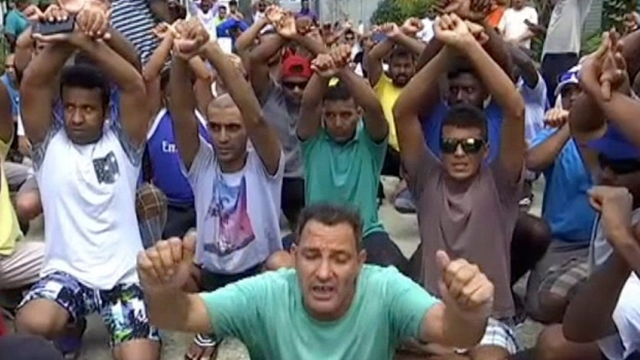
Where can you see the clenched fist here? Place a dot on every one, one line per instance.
(464, 288)
(167, 265)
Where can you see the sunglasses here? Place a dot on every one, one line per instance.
(293, 85)
(469, 145)
(619, 167)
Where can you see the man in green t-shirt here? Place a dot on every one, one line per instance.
(329, 307)
(344, 136)
(16, 22)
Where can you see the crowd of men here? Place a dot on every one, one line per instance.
(135, 121)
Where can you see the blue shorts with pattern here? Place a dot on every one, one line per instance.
(122, 308)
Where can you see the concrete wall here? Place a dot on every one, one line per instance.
(356, 10)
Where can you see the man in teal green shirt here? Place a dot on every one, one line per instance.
(344, 136)
(330, 307)
(16, 22)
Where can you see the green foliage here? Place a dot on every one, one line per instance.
(614, 11)
(591, 43)
(397, 11)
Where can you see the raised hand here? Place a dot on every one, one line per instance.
(166, 266)
(614, 74)
(451, 30)
(93, 22)
(412, 26)
(556, 117)
(191, 37)
(391, 30)
(615, 205)
(32, 13)
(477, 31)
(304, 25)
(53, 14)
(324, 66)
(163, 30)
(473, 10)
(341, 56)
(464, 288)
(286, 27)
(274, 14)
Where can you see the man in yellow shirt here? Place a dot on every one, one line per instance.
(20, 261)
(400, 48)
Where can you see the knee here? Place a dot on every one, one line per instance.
(535, 231)
(28, 205)
(278, 260)
(33, 323)
(550, 343)
(551, 307)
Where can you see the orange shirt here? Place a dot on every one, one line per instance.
(495, 16)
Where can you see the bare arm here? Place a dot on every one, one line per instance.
(259, 69)
(311, 108)
(124, 48)
(188, 312)
(262, 136)
(620, 110)
(24, 51)
(407, 110)
(182, 105)
(247, 39)
(528, 70)
(6, 119)
(133, 95)
(375, 58)
(374, 120)
(153, 67)
(446, 328)
(588, 316)
(309, 43)
(160, 10)
(37, 95)
(544, 154)
(500, 86)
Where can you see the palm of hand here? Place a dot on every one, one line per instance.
(287, 27)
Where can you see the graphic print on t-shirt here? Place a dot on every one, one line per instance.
(106, 168)
(233, 230)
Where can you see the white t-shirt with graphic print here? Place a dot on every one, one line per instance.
(237, 214)
(626, 314)
(88, 198)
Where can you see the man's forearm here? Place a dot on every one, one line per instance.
(118, 69)
(267, 49)
(362, 93)
(239, 89)
(45, 67)
(588, 317)
(543, 155)
(160, 10)
(497, 49)
(412, 44)
(430, 51)
(462, 332)
(168, 311)
(311, 45)
(124, 48)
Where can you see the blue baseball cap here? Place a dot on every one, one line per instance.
(614, 145)
(568, 78)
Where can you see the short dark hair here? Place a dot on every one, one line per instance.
(466, 116)
(401, 52)
(233, 3)
(460, 66)
(338, 92)
(88, 77)
(331, 214)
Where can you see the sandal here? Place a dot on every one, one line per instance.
(202, 348)
(71, 345)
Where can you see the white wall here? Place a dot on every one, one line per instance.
(356, 10)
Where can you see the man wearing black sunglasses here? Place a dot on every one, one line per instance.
(463, 205)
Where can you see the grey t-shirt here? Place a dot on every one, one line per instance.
(283, 117)
(473, 220)
(564, 32)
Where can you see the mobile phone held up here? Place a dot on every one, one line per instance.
(50, 28)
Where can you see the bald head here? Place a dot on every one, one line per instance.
(222, 102)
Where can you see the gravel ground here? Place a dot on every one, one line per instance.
(402, 228)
